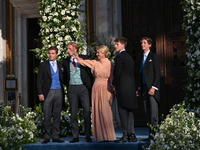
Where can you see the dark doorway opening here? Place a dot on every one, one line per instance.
(33, 30)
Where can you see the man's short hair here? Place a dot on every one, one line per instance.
(74, 44)
(122, 40)
(149, 40)
(53, 48)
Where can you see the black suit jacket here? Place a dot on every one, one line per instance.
(86, 75)
(44, 78)
(152, 73)
(124, 81)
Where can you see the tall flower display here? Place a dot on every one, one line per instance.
(191, 26)
(59, 25)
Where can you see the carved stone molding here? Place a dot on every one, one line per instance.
(29, 8)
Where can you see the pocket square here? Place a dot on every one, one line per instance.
(150, 60)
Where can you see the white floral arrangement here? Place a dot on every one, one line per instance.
(59, 25)
(191, 26)
(16, 130)
(180, 130)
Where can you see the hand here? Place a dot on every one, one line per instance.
(41, 97)
(151, 91)
(138, 92)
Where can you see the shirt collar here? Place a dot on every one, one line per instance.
(147, 53)
(52, 61)
(71, 59)
(122, 50)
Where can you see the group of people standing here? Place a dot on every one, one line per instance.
(77, 73)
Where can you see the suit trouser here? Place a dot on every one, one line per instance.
(151, 107)
(53, 101)
(76, 93)
(127, 119)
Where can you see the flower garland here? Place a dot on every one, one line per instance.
(59, 25)
(191, 26)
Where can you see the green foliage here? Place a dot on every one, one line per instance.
(191, 26)
(59, 25)
(98, 41)
(16, 130)
(180, 130)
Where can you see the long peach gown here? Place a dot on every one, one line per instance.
(102, 121)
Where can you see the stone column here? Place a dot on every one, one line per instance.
(107, 19)
(2, 48)
(21, 56)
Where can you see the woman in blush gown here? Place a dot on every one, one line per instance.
(102, 70)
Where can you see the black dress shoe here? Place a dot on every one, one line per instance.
(46, 141)
(132, 138)
(123, 139)
(58, 140)
(88, 139)
(74, 140)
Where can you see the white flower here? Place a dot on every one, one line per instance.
(60, 39)
(67, 37)
(63, 26)
(73, 13)
(55, 20)
(74, 29)
(54, 4)
(55, 14)
(62, 12)
(44, 18)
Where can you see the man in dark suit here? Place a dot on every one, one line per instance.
(78, 81)
(50, 91)
(150, 79)
(124, 84)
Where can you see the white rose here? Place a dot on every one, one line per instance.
(55, 14)
(60, 39)
(44, 18)
(49, 18)
(62, 12)
(63, 26)
(54, 4)
(67, 37)
(73, 7)
(74, 29)
(55, 20)
(73, 13)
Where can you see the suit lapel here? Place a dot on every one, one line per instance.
(68, 66)
(48, 68)
(147, 60)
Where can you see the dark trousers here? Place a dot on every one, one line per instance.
(52, 102)
(76, 93)
(127, 120)
(150, 107)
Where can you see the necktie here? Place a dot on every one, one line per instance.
(54, 66)
(74, 63)
(143, 61)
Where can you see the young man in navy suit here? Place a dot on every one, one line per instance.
(50, 91)
(150, 80)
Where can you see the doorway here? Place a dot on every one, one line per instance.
(160, 20)
(33, 30)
